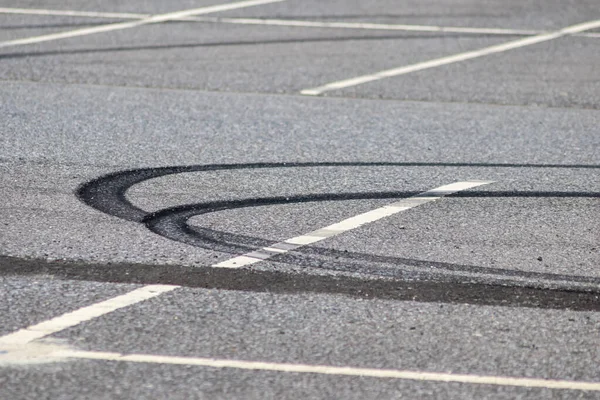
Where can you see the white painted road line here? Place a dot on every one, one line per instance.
(515, 44)
(38, 331)
(346, 225)
(332, 370)
(54, 325)
(132, 24)
(279, 22)
(291, 22)
(367, 26)
(72, 13)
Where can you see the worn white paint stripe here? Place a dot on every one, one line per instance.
(515, 44)
(333, 370)
(346, 225)
(367, 26)
(290, 22)
(280, 22)
(132, 24)
(76, 317)
(72, 13)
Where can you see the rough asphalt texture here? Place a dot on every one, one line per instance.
(500, 280)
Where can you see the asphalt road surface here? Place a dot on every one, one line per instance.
(300, 199)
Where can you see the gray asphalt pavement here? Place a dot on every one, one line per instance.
(146, 156)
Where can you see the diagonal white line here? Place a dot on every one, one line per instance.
(132, 24)
(33, 332)
(346, 225)
(515, 44)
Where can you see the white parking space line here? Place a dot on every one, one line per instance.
(279, 22)
(132, 24)
(38, 331)
(292, 23)
(332, 370)
(71, 13)
(54, 325)
(23, 347)
(367, 26)
(515, 44)
(346, 225)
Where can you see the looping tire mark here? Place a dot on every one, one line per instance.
(107, 194)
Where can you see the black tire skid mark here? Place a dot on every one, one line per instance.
(107, 194)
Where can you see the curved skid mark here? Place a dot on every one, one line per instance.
(108, 195)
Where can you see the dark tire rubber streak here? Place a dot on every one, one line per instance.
(107, 194)
(289, 283)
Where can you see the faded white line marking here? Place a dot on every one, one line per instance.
(280, 22)
(54, 325)
(72, 13)
(132, 24)
(333, 370)
(367, 26)
(291, 22)
(347, 224)
(515, 44)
